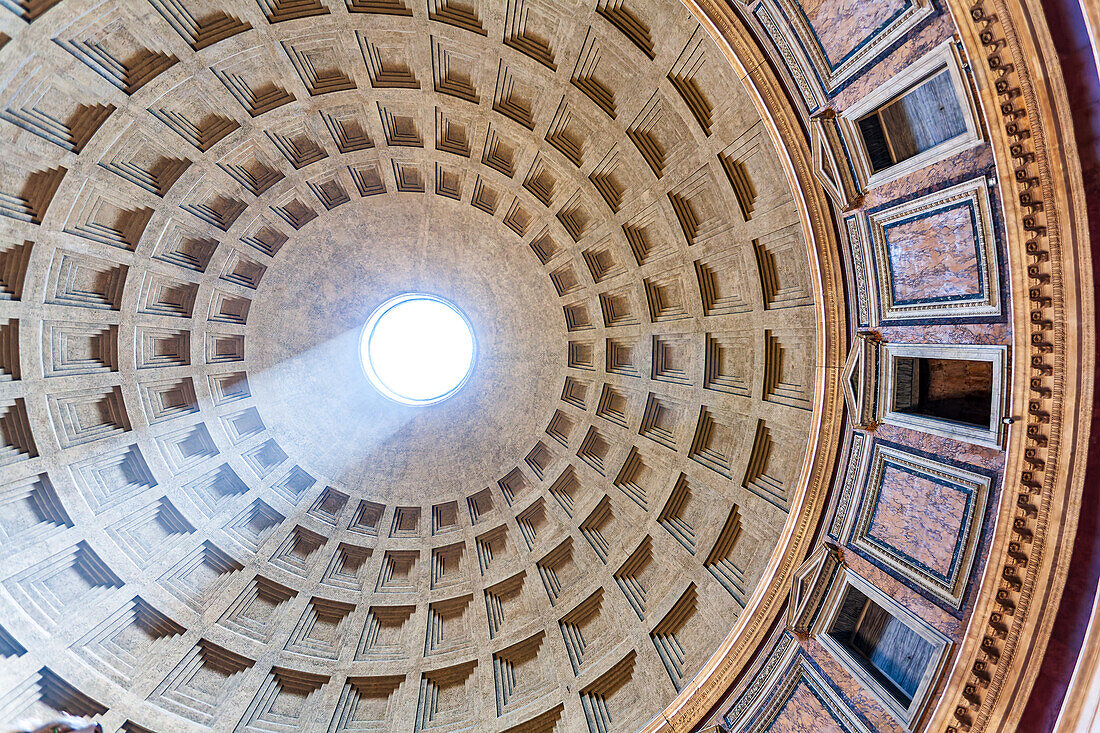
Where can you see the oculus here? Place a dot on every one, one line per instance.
(417, 349)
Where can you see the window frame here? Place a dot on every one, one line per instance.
(943, 57)
(991, 435)
(907, 716)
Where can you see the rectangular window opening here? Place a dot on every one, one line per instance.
(955, 390)
(894, 655)
(927, 115)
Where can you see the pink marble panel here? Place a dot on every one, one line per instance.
(969, 163)
(957, 450)
(842, 25)
(804, 712)
(916, 601)
(934, 256)
(919, 517)
(918, 42)
(949, 333)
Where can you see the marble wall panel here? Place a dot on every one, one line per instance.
(842, 29)
(921, 518)
(936, 256)
(790, 695)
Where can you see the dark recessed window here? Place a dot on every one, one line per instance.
(891, 653)
(955, 390)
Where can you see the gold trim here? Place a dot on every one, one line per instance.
(1041, 191)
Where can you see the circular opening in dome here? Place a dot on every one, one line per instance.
(417, 349)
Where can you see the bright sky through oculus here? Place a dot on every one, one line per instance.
(417, 349)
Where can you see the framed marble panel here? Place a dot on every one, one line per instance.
(844, 510)
(921, 518)
(841, 37)
(860, 261)
(798, 65)
(936, 256)
(791, 696)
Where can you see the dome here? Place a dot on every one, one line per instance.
(766, 399)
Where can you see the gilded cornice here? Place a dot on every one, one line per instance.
(1026, 108)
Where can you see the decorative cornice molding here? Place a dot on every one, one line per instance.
(1025, 103)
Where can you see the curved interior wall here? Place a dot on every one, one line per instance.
(968, 251)
(992, 638)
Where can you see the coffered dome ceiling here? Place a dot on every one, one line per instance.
(216, 521)
(783, 383)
